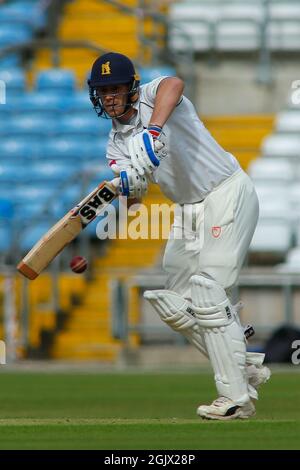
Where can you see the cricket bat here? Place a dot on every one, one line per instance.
(67, 228)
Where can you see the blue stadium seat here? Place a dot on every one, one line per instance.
(6, 216)
(79, 125)
(95, 150)
(31, 234)
(35, 210)
(74, 149)
(20, 25)
(56, 80)
(9, 61)
(149, 74)
(7, 191)
(104, 126)
(14, 80)
(72, 195)
(28, 126)
(39, 101)
(5, 237)
(101, 173)
(13, 149)
(51, 172)
(9, 36)
(6, 109)
(79, 102)
(69, 148)
(31, 12)
(6, 209)
(11, 173)
(28, 194)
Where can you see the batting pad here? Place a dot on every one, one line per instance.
(223, 337)
(177, 312)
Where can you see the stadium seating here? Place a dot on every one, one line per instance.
(10, 37)
(234, 26)
(5, 238)
(78, 124)
(38, 192)
(19, 23)
(272, 237)
(58, 80)
(75, 150)
(6, 220)
(276, 176)
(150, 73)
(271, 170)
(282, 145)
(294, 198)
(80, 102)
(9, 61)
(236, 36)
(28, 127)
(65, 148)
(11, 172)
(6, 209)
(25, 12)
(18, 149)
(51, 172)
(288, 122)
(32, 233)
(274, 190)
(14, 80)
(41, 102)
(31, 212)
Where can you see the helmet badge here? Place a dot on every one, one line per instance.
(105, 69)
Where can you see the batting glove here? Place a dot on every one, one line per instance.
(132, 185)
(146, 150)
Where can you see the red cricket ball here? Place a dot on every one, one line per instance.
(78, 264)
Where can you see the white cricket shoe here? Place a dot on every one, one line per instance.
(225, 409)
(258, 375)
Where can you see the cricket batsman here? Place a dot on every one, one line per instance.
(157, 136)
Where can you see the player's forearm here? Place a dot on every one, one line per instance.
(167, 97)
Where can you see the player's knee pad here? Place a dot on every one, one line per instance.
(223, 336)
(177, 312)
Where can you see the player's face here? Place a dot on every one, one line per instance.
(114, 99)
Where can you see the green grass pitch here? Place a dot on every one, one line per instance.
(150, 410)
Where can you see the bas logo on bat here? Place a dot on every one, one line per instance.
(89, 211)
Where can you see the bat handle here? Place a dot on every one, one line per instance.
(115, 182)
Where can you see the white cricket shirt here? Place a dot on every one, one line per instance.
(195, 163)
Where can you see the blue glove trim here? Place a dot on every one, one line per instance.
(124, 183)
(149, 150)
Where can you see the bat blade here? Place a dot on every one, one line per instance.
(66, 230)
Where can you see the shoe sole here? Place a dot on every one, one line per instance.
(226, 418)
(239, 414)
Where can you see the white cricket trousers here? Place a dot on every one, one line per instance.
(213, 236)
